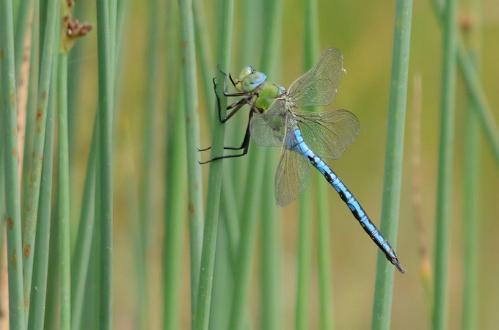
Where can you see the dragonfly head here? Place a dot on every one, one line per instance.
(250, 79)
(280, 91)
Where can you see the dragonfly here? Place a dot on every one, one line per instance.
(278, 117)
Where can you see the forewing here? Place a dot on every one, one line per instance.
(292, 175)
(267, 129)
(328, 133)
(319, 85)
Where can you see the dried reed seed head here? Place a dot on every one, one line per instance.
(75, 29)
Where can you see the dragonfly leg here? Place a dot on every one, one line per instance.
(232, 81)
(230, 77)
(226, 90)
(244, 145)
(234, 107)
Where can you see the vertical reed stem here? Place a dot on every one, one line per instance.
(393, 161)
(105, 47)
(302, 310)
(323, 225)
(470, 187)
(446, 152)
(11, 157)
(30, 204)
(304, 264)
(148, 175)
(83, 246)
(202, 311)
(194, 203)
(63, 203)
(38, 295)
(174, 210)
(257, 161)
(271, 307)
(473, 86)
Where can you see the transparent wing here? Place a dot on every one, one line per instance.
(328, 133)
(292, 174)
(318, 86)
(267, 129)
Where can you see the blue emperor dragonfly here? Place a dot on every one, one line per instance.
(305, 137)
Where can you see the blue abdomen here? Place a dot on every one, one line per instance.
(349, 199)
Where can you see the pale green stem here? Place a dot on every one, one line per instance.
(30, 204)
(105, 47)
(64, 257)
(11, 158)
(202, 311)
(445, 166)
(195, 187)
(470, 189)
(149, 176)
(473, 86)
(36, 320)
(257, 160)
(393, 161)
(304, 264)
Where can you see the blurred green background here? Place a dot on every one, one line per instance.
(364, 32)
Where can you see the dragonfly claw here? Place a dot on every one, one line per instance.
(204, 149)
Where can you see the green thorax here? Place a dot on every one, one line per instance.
(267, 93)
(252, 81)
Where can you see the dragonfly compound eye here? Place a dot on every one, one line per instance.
(245, 72)
(253, 81)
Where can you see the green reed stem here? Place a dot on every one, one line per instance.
(270, 252)
(473, 86)
(203, 50)
(302, 310)
(271, 306)
(147, 213)
(393, 161)
(248, 54)
(63, 204)
(470, 217)
(24, 12)
(194, 202)
(202, 311)
(93, 303)
(52, 300)
(445, 168)
(30, 203)
(229, 196)
(257, 160)
(2, 196)
(32, 99)
(84, 265)
(74, 80)
(12, 196)
(42, 243)
(105, 66)
(175, 175)
(175, 206)
(324, 255)
(470, 189)
(229, 205)
(323, 225)
(222, 279)
(83, 246)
